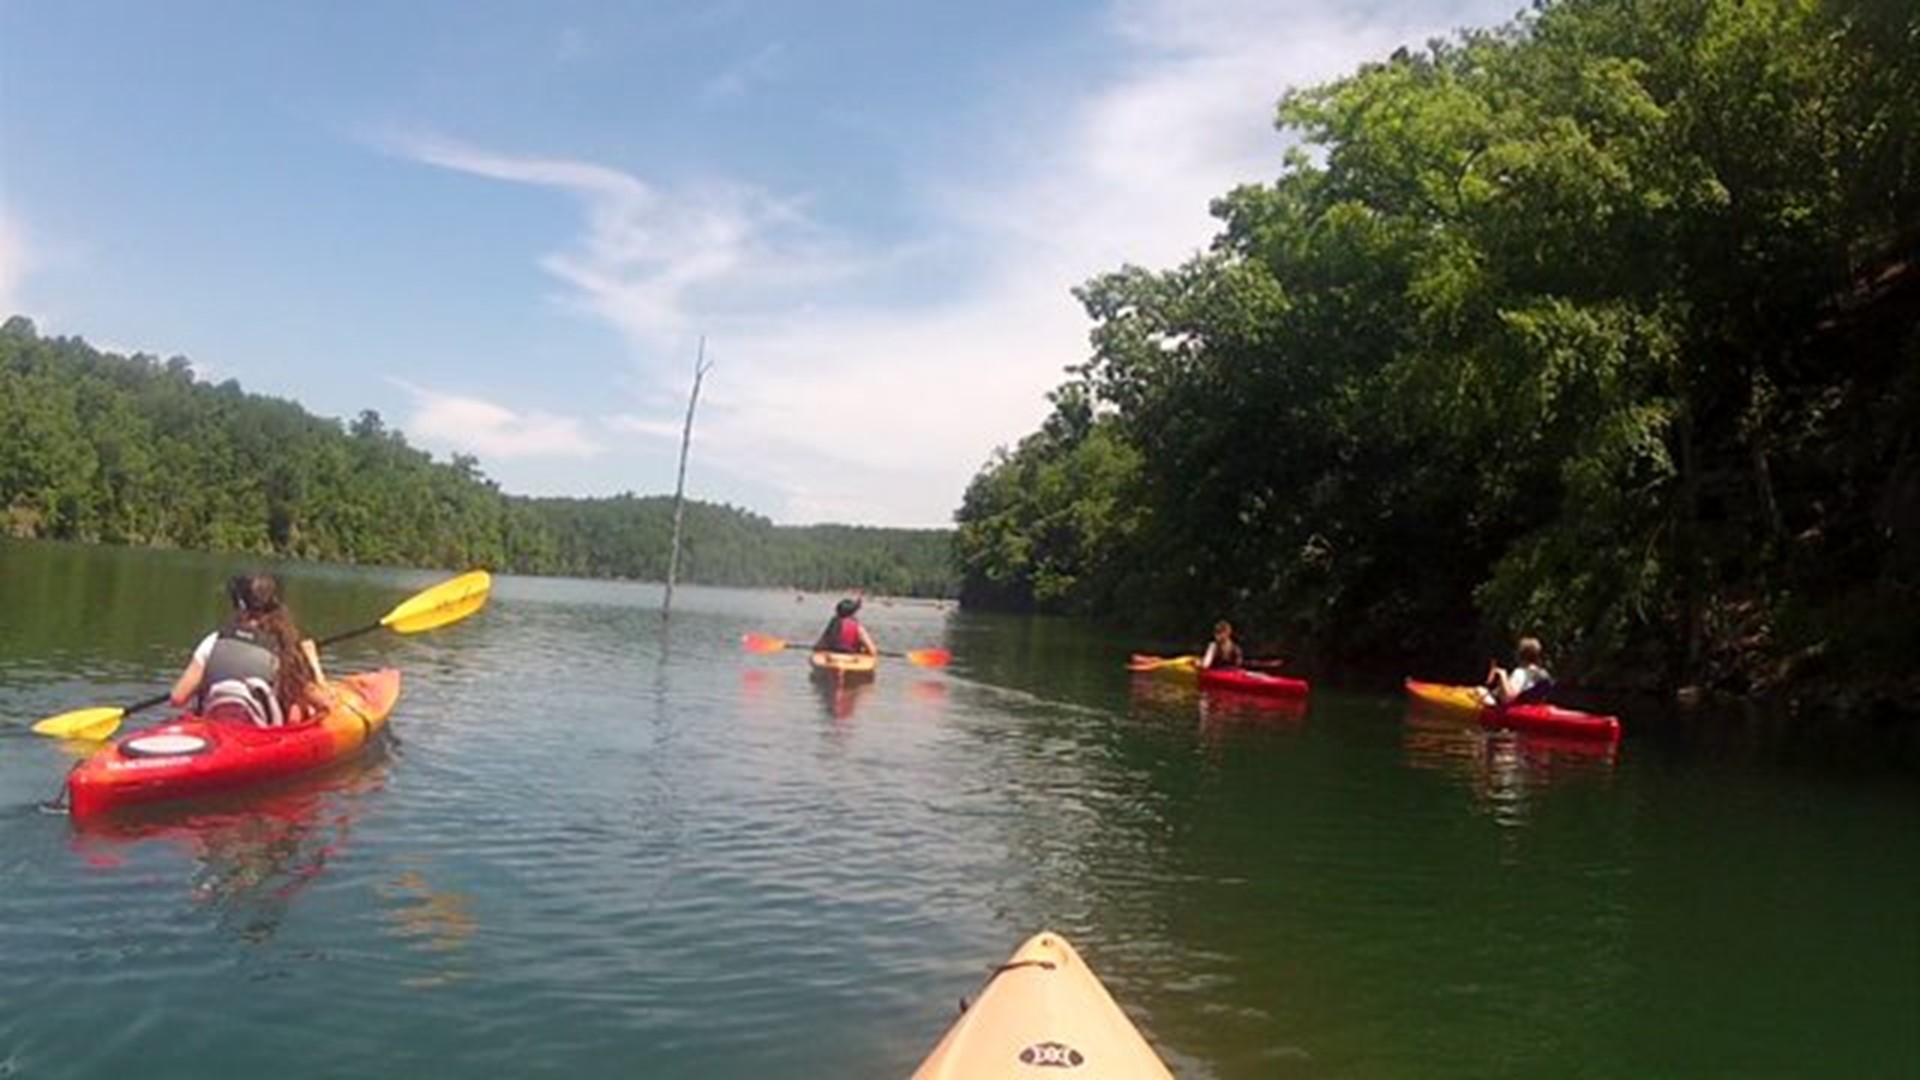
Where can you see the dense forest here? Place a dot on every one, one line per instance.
(132, 450)
(1599, 325)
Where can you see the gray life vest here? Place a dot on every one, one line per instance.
(240, 670)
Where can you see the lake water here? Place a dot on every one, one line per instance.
(595, 848)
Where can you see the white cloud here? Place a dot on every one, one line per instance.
(865, 412)
(650, 261)
(879, 415)
(629, 424)
(491, 431)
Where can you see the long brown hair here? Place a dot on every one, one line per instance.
(257, 606)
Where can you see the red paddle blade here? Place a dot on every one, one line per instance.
(761, 643)
(929, 657)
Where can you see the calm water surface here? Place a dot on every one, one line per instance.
(596, 849)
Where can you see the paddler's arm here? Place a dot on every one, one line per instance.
(187, 683)
(312, 653)
(189, 680)
(1500, 682)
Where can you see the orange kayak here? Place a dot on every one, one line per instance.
(1468, 701)
(1462, 701)
(193, 758)
(844, 666)
(1043, 1013)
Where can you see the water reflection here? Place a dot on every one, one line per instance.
(765, 691)
(929, 692)
(754, 683)
(838, 695)
(1502, 769)
(251, 855)
(685, 866)
(437, 921)
(1220, 708)
(1160, 692)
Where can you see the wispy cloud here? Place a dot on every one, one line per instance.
(651, 259)
(737, 81)
(651, 427)
(884, 414)
(1129, 173)
(492, 431)
(858, 409)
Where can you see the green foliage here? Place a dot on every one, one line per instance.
(630, 536)
(98, 447)
(1040, 527)
(1586, 326)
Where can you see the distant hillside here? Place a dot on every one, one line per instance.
(630, 536)
(134, 450)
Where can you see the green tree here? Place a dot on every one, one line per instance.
(1597, 325)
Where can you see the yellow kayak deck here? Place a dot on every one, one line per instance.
(844, 665)
(1043, 1013)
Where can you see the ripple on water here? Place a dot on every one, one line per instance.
(600, 851)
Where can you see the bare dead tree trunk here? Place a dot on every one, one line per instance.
(700, 369)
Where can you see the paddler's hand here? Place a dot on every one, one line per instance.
(312, 653)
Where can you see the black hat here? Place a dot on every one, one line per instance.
(846, 607)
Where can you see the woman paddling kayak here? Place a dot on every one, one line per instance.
(844, 634)
(1223, 652)
(257, 669)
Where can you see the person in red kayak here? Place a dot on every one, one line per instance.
(844, 634)
(1223, 652)
(1526, 683)
(256, 669)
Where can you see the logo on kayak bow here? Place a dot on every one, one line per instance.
(1052, 1055)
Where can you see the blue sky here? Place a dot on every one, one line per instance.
(506, 226)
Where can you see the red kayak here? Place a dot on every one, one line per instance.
(1545, 719)
(1242, 681)
(1553, 720)
(192, 758)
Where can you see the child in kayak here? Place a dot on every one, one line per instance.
(844, 634)
(1526, 683)
(256, 669)
(1223, 652)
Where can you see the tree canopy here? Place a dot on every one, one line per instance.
(133, 450)
(1599, 325)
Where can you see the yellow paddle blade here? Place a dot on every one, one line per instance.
(96, 723)
(929, 657)
(762, 643)
(447, 602)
